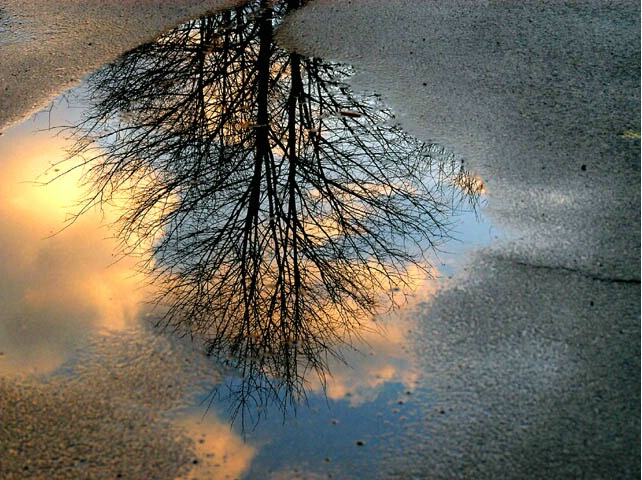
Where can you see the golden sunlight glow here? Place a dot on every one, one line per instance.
(382, 354)
(221, 454)
(470, 184)
(56, 284)
(382, 358)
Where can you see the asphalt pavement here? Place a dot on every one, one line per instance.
(535, 352)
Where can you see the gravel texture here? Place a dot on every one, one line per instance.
(104, 414)
(534, 354)
(47, 47)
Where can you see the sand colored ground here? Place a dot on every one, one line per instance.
(533, 358)
(47, 47)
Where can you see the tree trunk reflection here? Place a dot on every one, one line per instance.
(276, 205)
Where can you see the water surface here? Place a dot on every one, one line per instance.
(171, 136)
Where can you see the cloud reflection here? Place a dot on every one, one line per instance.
(220, 453)
(382, 356)
(108, 416)
(54, 287)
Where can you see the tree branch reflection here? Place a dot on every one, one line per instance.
(276, 205)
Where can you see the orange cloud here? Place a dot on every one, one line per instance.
(54, 288)
(382, 354)
(221, 454)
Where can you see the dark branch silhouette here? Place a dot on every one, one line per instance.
(277, 207)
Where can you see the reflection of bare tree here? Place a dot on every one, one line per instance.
(277, 205)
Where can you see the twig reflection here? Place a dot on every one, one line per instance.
(276, 205)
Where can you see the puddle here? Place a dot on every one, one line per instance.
(280, 215)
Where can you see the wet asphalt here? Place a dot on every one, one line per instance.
(535, 353)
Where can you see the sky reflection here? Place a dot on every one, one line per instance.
(220, 453)
(55, 286)
(70, 304)
(279, 210)
(60, 292)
